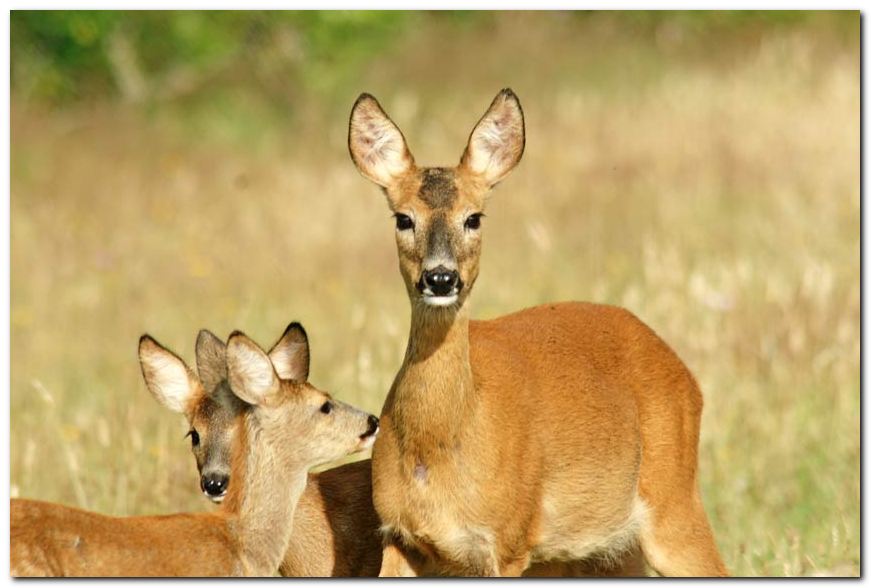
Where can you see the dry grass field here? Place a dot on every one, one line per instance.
(709, 182)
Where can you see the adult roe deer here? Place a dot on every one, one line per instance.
(551, 434)
(276, 441)
(335, 526)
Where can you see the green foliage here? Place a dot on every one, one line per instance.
(55, 54)
(63, 56)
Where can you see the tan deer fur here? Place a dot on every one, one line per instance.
(553, 434)
(275, 442)
(335, 526)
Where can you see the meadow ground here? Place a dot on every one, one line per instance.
(709, 183)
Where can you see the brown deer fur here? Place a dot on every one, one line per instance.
(275, 442)
(554, 434)
(335, 526)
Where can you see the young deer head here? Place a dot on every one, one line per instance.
(438, 210)
(209, 405)
(282, 433)
(212, 407)
(276, 386)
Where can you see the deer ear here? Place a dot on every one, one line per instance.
(376, 144)
(167, 377)
(211, 360)
(497, 141)
(249, 371)
(290, 354)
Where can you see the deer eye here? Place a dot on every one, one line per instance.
(473, 221)
(403, 222)
(195, 437)
(326, 407)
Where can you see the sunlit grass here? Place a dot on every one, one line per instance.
(715, 196)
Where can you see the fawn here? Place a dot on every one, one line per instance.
(553, 434)
(335, 526)
(275, 441)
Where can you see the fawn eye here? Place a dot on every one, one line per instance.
(326, 407)
(195, 437)
(473, 222)
(403, 222)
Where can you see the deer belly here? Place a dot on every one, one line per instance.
(572, 530)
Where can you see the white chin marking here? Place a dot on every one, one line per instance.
(439, 300)
(216, 499)
(366, 443)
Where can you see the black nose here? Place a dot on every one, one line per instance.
(214, 484)
(373, 426)
(441, 281)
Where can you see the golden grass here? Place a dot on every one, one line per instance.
(710, 187)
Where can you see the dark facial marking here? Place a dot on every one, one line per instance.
(438, 188)
(220, 408)
(213, 454)
(438, 242)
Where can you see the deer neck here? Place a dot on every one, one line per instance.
(434, 395)
(263, 505)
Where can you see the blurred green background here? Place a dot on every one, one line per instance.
(178, 170)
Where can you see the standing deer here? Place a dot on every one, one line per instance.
(552, 434)
(284, 433)
(335, 526)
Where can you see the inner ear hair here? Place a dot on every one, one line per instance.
(497, 142)
(376, 144)
(290, 354)
(166, 375)
(250, 373)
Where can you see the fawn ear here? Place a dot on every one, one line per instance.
(376, 143)
(211, 360)
(290, 354)
(497, 141)
(250, 373)
(167, 377)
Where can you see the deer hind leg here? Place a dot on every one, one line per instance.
(677, 540)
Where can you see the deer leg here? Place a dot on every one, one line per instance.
(515, 567)
(397, 562)
(677, 540)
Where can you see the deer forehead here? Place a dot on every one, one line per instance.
(294, 392)
(440, 189)
(216, 414)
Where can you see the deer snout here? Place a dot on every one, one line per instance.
(440, 281)
(367, 439)
(214, 485)
(373, 427)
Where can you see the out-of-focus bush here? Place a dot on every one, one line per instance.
(62, 57)
(142, 56)
(239, 75)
